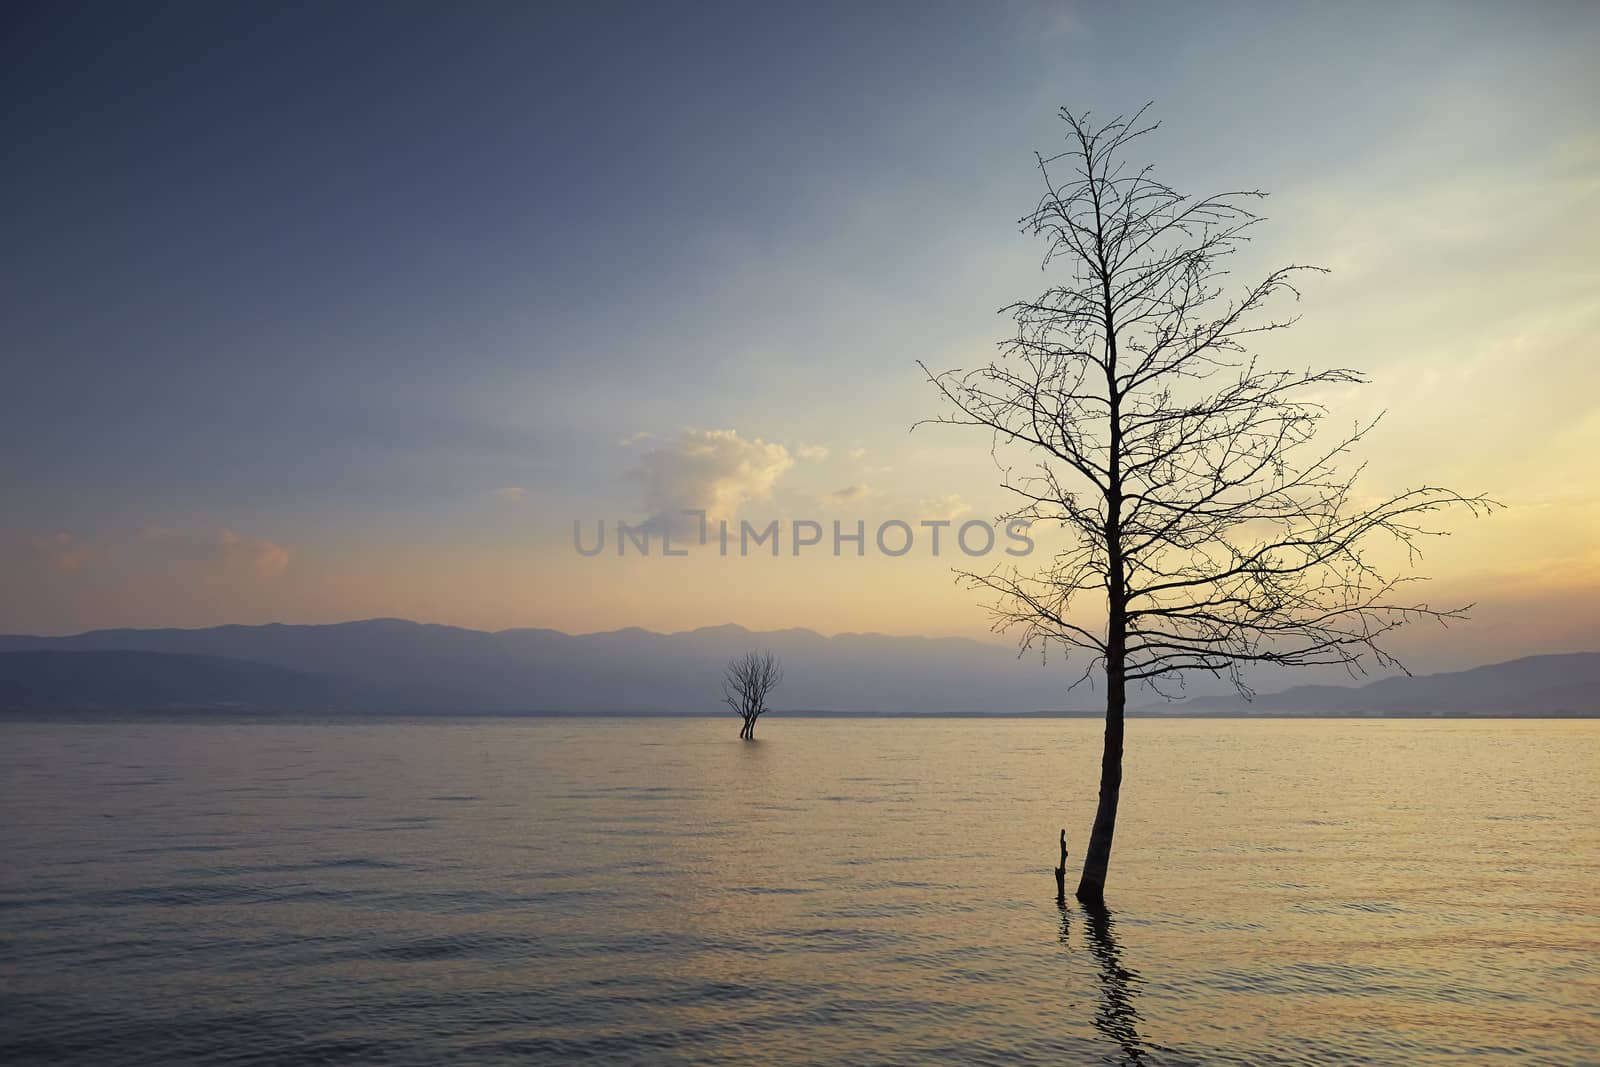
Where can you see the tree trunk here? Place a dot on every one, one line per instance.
(1097, 858)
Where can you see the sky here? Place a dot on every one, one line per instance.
(324, 312)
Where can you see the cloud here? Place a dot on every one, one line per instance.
(635, 438)
(811, 452)
(64, 553)
(222, 550)
(261, 557)
(847, 494)
(857, 453)
(949, 506)
(510, 494)
(714, 471)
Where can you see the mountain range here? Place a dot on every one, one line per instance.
(400, 666)
(1544, 685)
(397, 666)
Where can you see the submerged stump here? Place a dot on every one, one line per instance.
(1061, 872)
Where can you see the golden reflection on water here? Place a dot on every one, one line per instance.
(858, 891)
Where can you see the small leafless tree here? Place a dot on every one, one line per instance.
(746, 683)
(1209, 525)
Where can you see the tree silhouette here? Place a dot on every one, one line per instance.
(1210, 525)
(746, 683)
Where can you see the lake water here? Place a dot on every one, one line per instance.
(857, 891)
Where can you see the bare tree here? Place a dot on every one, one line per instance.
(1210, 526)
(746, 683)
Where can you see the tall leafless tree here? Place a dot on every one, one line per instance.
(746, 683)
(1210, 526)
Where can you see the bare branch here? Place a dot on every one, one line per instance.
(1207, 515)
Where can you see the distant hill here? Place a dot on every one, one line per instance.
(156, 681)
(396, 665)
(1534, 685)
(391, 665)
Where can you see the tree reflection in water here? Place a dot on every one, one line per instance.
(1116, 1018)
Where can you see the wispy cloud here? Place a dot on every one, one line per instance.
(848, 494)
(222, 550)
(61, 551)
(949, 506)
(510, 493)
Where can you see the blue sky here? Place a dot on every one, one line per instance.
(327, 279)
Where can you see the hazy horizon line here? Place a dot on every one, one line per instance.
(518, 629)
(236, 715)
(1356, 681)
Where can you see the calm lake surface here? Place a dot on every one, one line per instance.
(856, 891)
